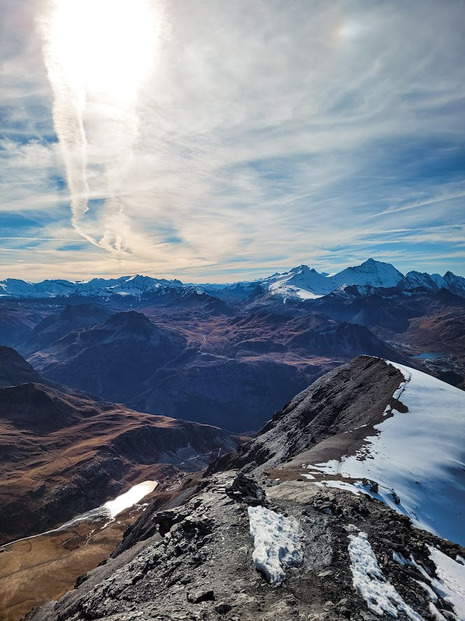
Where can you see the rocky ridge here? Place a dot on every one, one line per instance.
(357, 558)
(197, 562)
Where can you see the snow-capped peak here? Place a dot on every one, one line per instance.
(416, 279)
(371, 272)
(299, 282)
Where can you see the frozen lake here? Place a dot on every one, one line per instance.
(430, 355)
(130, 498)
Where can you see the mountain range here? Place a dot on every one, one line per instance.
(129, 411)
(228, 355)
(298, 283)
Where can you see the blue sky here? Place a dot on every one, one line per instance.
(217, 141)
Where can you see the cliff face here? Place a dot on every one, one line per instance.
(290, 535)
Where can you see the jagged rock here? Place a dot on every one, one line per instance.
(340, 401)
(201, 595)
(246, 490)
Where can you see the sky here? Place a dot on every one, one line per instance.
(218, 141)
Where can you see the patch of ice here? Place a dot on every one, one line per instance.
(451, 582)
(435, 612)
(411, 562)
(308, 476)
(432, 595)
(333, 466)
(107, 512)
(397, 556)
(379, 594)
(277, 543)
(130, 498)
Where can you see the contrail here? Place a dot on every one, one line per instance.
(97, 53)
(68, 106)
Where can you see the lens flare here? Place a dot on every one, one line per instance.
(106, 46)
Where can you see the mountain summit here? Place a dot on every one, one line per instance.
(371, 272)
(297, 533)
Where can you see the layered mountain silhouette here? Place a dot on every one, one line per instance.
(348, 504)
(233, 376)
(300, 282)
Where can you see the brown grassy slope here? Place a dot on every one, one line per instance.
(63, 454)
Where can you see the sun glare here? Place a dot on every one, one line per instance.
(104, 46)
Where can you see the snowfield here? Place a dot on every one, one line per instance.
(130, 498)
(277, 541)
(417, 458)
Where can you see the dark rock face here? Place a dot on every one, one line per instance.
(44, 409)
(320, 335)
(353, 395)
(109, 358)
(14, 369)
(56, 326)
(235, 394)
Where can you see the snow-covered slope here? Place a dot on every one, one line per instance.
(304, 283)
(299, 283)
(99, 287)
(416, 457)
(454, 283)
(414, 279)
(371, 272)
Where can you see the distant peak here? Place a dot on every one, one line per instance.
(374, 262)
(129, 316)
(303, 269)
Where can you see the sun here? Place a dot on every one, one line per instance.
(105, 47)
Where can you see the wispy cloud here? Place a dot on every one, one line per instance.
(271, 132)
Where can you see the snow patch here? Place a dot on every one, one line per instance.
(349, 487)
(277, 543)
(333, 466)
(450, 583)
(130, 498)
(379, 594)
